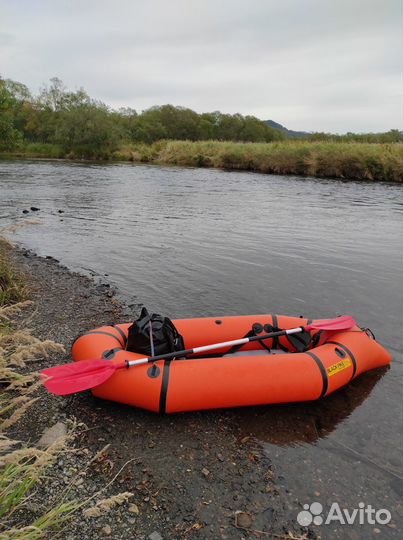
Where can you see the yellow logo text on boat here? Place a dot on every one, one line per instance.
(339, 366)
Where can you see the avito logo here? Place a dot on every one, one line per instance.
(313, 514)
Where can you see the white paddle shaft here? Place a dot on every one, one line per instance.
(213, 346)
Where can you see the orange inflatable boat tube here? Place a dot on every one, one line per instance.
(252, 376)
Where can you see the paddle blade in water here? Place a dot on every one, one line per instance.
(71, 378)
(340, 323)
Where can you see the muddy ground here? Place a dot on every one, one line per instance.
(189, 473)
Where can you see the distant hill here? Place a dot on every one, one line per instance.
(289, 133)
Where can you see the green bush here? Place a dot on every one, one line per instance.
(45, 150)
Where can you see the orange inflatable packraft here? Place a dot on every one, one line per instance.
(252, 376)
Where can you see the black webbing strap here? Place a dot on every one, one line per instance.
(301, 341)
(256, 329)
(263, 344)
(316, 339)
(274, 328)
(235, 348)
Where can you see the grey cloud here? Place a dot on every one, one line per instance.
(309, 64)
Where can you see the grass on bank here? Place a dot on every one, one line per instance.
(22, 467)
(12, 286)
(344, 160)
(356, 161)
(36, 150)
(25, 469)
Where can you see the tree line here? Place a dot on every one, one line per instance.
(87, 127)
(391, 136)
(84, 127)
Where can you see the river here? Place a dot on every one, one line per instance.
(197, 242)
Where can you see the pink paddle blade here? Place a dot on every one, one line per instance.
(71, 378)
(340, 323)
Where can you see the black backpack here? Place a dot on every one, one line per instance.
(161, 330)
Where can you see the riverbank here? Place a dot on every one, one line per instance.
(348, 161)
(184, 476)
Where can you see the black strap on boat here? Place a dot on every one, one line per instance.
(164, 387)
(276, 341)
(316, 338)
(275, 328)
(116, 327)
(91, 332)
(301, 341)
(269, 328)
(323, 373)
(256, 329)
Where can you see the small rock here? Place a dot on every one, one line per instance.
(50, 435)
(134, 509)
(107, 531)
(205, 472)
(220, 457)
(155, 536)
(35, 209)
(243, 520)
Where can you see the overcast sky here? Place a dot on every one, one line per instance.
(315, 65)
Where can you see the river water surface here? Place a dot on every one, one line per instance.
(196, 242)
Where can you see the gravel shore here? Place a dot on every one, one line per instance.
(193, 475)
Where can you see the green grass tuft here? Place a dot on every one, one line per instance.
(12, 286)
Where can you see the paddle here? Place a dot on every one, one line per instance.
(71, 378)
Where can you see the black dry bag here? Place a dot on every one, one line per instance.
(153, 335)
